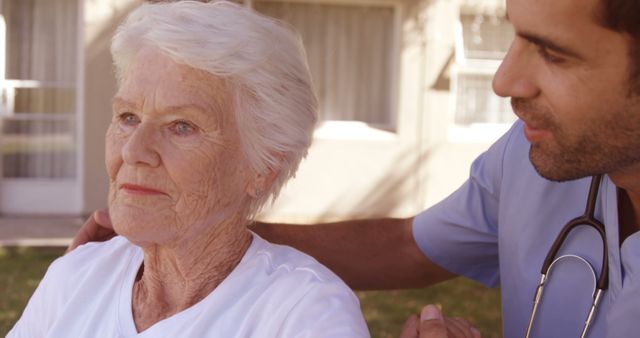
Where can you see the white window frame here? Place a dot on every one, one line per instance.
(477, 132)
(49, 192)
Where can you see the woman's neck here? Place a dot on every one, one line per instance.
(174, 278)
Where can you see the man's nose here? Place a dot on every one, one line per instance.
(140, 147)
(516, 76)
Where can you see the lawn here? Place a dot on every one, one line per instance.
(385, 311)
(20, 272)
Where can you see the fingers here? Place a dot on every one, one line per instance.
(432, 323)
(97, 227)
(83, 235)
(101, 216)
(460, 327)
(410, 328)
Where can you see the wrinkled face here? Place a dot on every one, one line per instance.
(568, 78)
(173, 153)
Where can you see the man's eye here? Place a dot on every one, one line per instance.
(548, 56)
(128, 119)
(183, 128)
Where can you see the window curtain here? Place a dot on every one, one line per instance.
(38, 141)
(349, 50)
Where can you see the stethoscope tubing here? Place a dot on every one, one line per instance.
(587, 219)
(602, 283)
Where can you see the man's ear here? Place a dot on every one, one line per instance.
(261, 183)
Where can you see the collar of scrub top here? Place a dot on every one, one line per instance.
(602, 283)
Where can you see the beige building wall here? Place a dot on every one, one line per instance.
(449, 160)
(370, 173)
(361, 173)
(415, 167)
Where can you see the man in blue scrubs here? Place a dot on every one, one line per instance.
(573, 75)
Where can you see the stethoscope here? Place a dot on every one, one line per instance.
(603, 280)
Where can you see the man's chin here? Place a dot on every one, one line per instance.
(555, 169)
(552, 175)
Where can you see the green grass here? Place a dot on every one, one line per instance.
(20, 272)
(385, 311)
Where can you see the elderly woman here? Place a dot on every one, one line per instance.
(213, 114)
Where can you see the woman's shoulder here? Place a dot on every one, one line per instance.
(92, 256)
(118, 246)
(297, 288)
(295, 274)
(77, 281)
(284, 260)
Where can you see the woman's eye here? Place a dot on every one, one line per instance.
(128, 119)
(182, 128)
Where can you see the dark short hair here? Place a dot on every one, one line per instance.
(624, 16)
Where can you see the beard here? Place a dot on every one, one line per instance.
(602, 143)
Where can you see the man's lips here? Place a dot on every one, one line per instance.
(534, 129)
(534, 133)
(135, 189)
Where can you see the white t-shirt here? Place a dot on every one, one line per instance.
(275, 291)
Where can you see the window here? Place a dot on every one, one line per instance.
(38, 88)
(481, 42)
(350, 51)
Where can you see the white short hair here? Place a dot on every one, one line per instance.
(264, 60)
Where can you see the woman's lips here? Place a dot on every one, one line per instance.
(534, 134)
(135, 189)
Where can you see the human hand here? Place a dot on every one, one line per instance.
(97, 228)
(432, 324)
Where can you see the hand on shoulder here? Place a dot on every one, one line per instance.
(97, 228)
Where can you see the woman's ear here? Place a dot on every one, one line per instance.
(261, 183)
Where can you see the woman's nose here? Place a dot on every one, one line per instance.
(140, 147)
(516, 76)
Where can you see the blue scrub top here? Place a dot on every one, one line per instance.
(498, 227)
